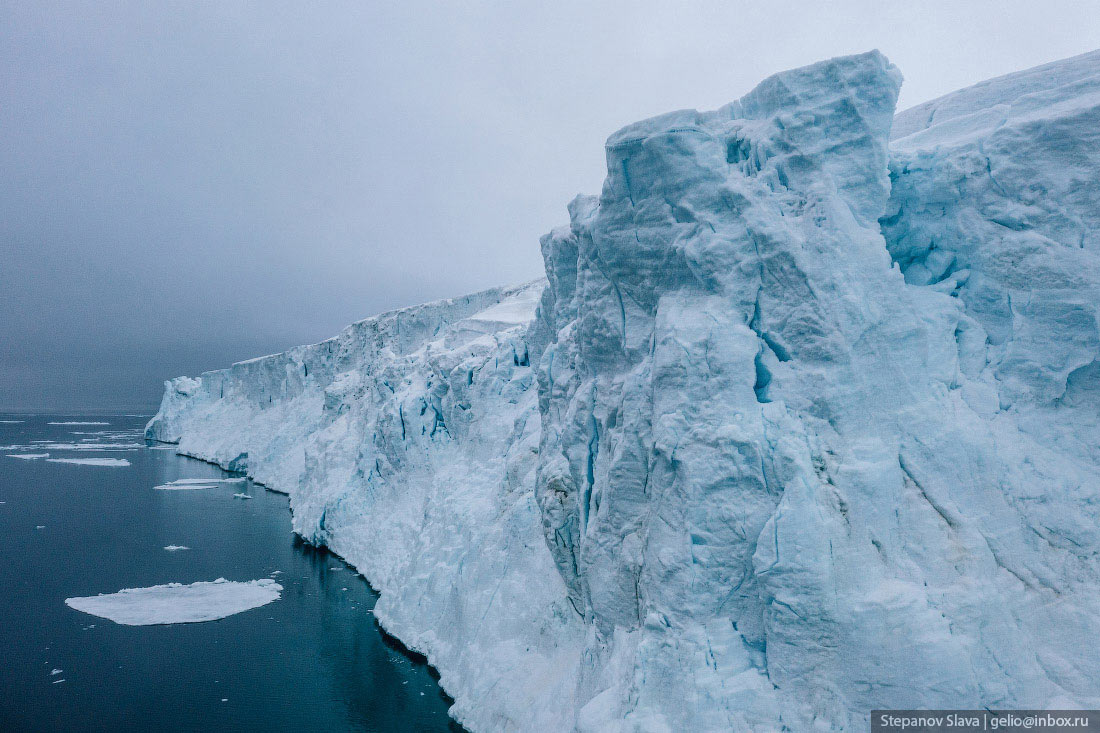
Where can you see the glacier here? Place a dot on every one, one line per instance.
(802, 422)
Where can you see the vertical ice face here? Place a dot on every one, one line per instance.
(407, 445)
(757, 438)
(681, 300)
(996, 200)
(806, 424)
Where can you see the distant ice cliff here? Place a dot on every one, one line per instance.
(806, 422)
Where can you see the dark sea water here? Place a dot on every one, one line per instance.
(314, 660)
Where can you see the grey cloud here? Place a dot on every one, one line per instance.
(189, 184)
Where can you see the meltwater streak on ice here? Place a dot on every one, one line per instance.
(314, 659)
(806, 424)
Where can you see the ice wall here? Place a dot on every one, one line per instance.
(996, 201)
(407, 446)
(764, 452)
(806, 424)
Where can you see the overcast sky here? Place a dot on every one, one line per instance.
(189, 184)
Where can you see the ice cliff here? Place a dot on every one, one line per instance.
(805, 423)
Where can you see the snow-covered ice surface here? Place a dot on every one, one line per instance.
(92, 461)
(806, 424)
(175, 603)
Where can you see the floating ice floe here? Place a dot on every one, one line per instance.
(184, 487)
(28, 456)
(52, 445)
(175, 603)
(176, 548)
(241, 496)
(187, 484)
(92, 461)
(10, 422)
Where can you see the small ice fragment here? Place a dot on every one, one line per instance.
(28, 456)
(10, 422)
(55, 671)
(242, 496)
(57, 682)
(39, 526)
(176, 548)
(78, 422)
(119, 462)
(175, 603)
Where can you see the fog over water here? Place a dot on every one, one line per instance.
(192, 184)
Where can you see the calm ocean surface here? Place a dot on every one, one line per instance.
(314, 660)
